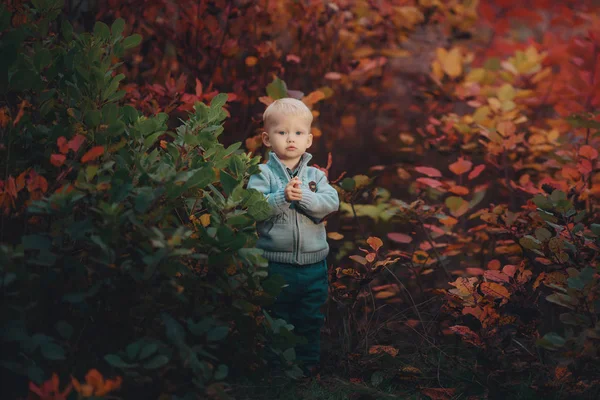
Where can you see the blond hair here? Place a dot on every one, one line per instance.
(287, 106)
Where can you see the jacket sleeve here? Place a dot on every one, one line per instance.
(321, 203)
(262, 183)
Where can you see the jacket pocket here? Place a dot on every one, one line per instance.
(314, 237)
(275, 236)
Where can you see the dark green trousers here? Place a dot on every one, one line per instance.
(300, 303)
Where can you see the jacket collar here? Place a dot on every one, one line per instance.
(276, 165)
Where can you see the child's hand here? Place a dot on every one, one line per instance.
(292, 190)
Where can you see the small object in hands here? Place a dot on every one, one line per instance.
(312, 185)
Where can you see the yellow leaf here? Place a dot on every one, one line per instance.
(395, 53)
(205, 220)
(436, 70)
(362, 52)
(451, 61)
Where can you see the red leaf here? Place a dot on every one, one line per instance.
(292, 58)
(76, 142)
(509, 270)
(439, 393)
(476, 171)
(494, 265)
(63, 147)
(429, 182)
(588, 152)
(198, 88)
(92, 154)
(431, 172)
(57, 159)
(399, 237)
(496, 276)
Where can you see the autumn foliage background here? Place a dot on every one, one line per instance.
(462, 137)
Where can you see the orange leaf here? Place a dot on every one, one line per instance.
(588, 152)
(494, 290)
(386, 294)
(461, 166)
(92, 154)
(313, 97)
(370, 257)
(494, 265)
(57, 159)
(378, 349)
(476, 171)
(431, 172)
(374, 242)
(251, 61)
(506, 128)
(459, 190)
(24, 104)
(448, 220)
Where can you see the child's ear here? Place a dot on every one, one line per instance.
(265, 139)
(310, 140)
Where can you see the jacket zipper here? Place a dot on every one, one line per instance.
(296, 250)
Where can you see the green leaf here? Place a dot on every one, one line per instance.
(277, 89)
(52, 351)
(116, 361)
(101, 30)
(148, 350)
(377, 378)
(219, 100)
(157, 362)
(36, 242)
(552, 341)
(133, 349)
(348, 184)
(132, 41)
(289, 354)
(117, 27)
(221, 372)
(228, 182)
(64, 329)
(529, 242)
(595, 228)
(217, 333)
(93, 118)
(562, 300)
(542, 234)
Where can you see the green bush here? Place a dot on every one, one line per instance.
(124, 243)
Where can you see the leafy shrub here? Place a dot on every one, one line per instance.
(124, 243)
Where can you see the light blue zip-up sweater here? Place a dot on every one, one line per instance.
(294, 233)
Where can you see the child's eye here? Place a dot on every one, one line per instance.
(281, 132)
(298, 133)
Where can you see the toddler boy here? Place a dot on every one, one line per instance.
(293, 237)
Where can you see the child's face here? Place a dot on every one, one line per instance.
(288, 135)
